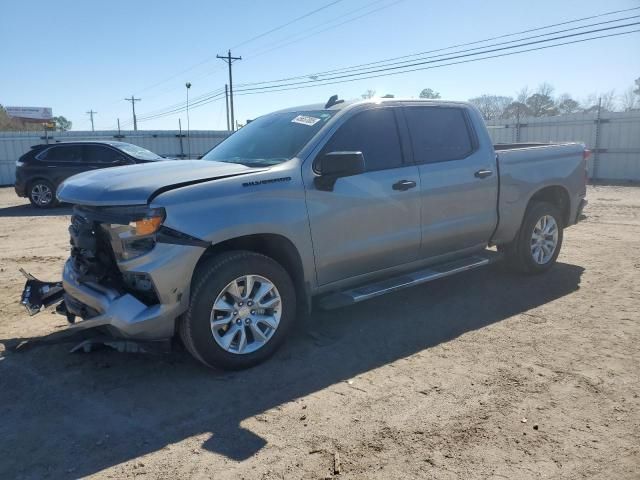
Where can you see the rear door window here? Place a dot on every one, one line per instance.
(63, 154)
(439, 134)
(102, 154)
(372, 132)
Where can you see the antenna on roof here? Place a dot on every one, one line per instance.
(333, 100)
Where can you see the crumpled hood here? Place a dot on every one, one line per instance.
(135, 184)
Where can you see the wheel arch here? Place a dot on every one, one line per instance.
(275, 246)
(29, 183)
(556, 195)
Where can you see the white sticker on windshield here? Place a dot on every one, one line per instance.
(304, 120)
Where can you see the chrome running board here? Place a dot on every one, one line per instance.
(434, 272)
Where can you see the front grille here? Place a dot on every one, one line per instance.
(91, 253)
(93, 260)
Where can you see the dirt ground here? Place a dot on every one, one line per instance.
(481, 375)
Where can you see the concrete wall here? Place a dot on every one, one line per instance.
(163, 142)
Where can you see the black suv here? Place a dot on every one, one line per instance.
(44, 167)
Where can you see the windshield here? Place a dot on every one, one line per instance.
(271, 139)
(138, 152)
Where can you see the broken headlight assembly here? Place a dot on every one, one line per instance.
(137, 236)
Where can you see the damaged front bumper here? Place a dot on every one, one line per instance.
(37, 294)
(121, 314)
(113, 303)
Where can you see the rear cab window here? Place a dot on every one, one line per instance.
(373, 132)
(439, 134)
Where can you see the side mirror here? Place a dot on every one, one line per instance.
(335, 165)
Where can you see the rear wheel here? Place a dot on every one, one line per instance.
(42, 194)
(241, 310)
(537, 245)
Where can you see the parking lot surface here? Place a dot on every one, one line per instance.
(482, 375)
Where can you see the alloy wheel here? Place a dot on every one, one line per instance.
(544, 239)
(246, 314)
(41, 194)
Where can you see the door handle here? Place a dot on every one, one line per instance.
(483, 173)
(403, 185)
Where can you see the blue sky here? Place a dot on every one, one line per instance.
(78, 55)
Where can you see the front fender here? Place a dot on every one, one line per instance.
(270, 202)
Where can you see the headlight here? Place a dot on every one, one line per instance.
(138, 236)
(19, 163)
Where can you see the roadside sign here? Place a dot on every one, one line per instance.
(35, 114)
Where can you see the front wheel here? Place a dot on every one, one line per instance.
(42, 194)
(537, 245)
(241, 310)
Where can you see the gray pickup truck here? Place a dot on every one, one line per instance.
(323, 205)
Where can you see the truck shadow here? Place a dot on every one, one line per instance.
(73, 416)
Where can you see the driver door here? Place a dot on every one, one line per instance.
(370, 221)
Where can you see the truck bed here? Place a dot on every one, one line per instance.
(526, 168)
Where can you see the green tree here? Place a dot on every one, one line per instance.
(566, 104)
(62, 124)
(429, 93)
(541, 105)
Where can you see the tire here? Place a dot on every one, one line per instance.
(42, 194)
(524, 253)
(206, 340)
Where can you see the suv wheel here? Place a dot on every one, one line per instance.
(537, 246)
(241, 310)
(42, 194)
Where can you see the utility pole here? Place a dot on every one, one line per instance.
(229, 60)
(91, 113)
(226, 99)
(188, 85)
(133, 107)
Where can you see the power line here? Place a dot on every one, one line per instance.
(353, 67)
(308, 14)
(315, 76)
(181, 104)
(323, 83)
(297, 38)
(212, 96)
(358, 66)
(440, 66)
(498, 37)
(193, 105)
(396, 67)
(208, 59)
(263, 52)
